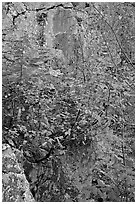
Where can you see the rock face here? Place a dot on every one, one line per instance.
(64, 30)
(62, 21)
(15, 186)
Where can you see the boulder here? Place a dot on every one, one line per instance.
(15, 187)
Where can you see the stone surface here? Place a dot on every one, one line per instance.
(62, 21)
(15, 186)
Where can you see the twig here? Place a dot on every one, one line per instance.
(114, 34)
